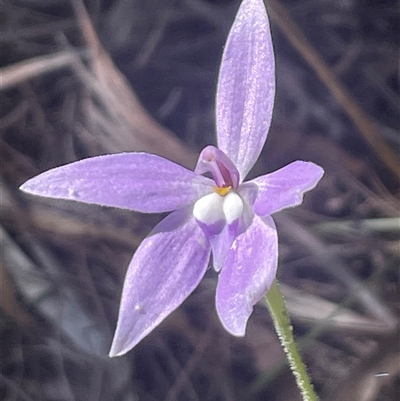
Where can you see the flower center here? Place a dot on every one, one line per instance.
(215, 210)
(222, 191)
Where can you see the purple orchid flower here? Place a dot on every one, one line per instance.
(223, 215)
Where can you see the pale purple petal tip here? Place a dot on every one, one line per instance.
(246, 87)
(165, 269)
(285, 187)
(136, 181)
(248, 272)
(221, 244)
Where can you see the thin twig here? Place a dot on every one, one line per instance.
(335, 266)
(31, 68)
(366, 126)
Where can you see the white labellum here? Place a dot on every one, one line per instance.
(208, 209)
(233, 207)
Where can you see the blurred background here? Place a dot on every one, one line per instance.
(80, 79)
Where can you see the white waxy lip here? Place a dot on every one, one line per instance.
(232, 207)
(209, 209)
(214, 208)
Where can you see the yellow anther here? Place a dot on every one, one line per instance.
(222, 191)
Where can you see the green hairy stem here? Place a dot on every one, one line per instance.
(280, 316)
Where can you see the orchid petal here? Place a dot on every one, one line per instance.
(138, 181)
(214, 161)
(284, 187)
(246, 87)
(166, 268)
(248, 272)
(220, 245)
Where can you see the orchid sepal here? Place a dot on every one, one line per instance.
(136, 181)
(150, 287)
(246, 87)
(248, 272)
